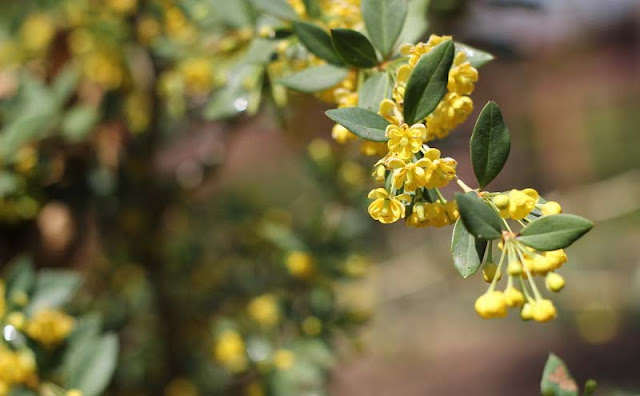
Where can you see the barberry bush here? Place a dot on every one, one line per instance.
(234, 295)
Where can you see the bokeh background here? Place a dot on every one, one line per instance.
(176, 232)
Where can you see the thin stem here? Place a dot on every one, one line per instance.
(534, 288)
(498, 272)
(463, 185)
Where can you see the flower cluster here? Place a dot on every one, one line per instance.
(521, 263)
(415, 170)
(47, 328)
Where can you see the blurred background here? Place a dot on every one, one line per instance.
(237, 257)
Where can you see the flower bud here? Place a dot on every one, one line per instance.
(514, 268)
(513, 297)
(501, 201)
(554, 282)
(551, 208)
(490, 271)
(527, 312)
(544, 311)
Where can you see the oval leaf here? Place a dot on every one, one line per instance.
(278, 8)
(374, 90)
(428, 82)
(384, 20)
(476, 57)
(556, 379)
(490, 144)
(94, 361)
(354, 48)
(554, 232)
(317, 41)
(315, 79)
(466, 250)
(479, 218)
(364, 123)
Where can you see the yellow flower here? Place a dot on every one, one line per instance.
(415, 52)
(342, 135)
(543, 311)
(404, 72)
(387, 209)
(37, 31)
(370, 148)
(521, 203)
(551, 208)
(452, 111)
(311, 326)
(229, 350)
(49, 327)
(300, 264)
(404, 141)
(390, 111)
(264, 310)
(283, 359)
(197, 74)
(492, 304)
(554, 282)
(122, 6)
(441, 171)
(410, 175)
(462, 76)
(513, 297)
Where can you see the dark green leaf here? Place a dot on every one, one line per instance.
(478, 217)
(554, 232)
(374, 90)
(384, 20)
(476, 57)
(428, 82)
(556, 379)
(315, 79)
(354, 48)
(490, 144)
(313, 8)
(364, 123)
(53, 289)
(466, 250)
(279, 8)
(317, 41)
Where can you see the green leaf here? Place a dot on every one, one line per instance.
(554, 232)
(91, 362)
(476, 57)
(354, 48)
(278, 8)
(313, 8)
(478, 217)
(317, 41)
(417, 23)
(364, 123)
(556, 379)
(260, 51)
(428, 82)
(374, 90)
(384, 20)
(466, 250)
(79, 121)
(53, 289)
(315, 79)
(490, 144)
